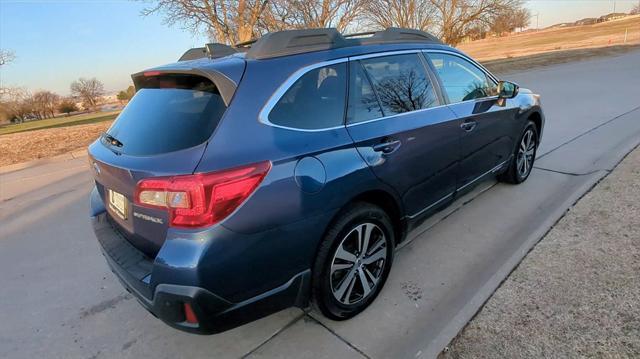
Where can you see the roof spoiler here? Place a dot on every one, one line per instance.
(212, 51)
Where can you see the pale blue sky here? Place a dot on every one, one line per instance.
(58, 41)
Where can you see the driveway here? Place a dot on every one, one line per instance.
(58, 299)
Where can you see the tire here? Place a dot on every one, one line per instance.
(339, 261)
(524, 156)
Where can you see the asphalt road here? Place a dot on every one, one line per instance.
(58, 299)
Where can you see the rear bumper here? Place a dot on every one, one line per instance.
(166, 301)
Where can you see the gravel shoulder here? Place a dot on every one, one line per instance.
(577, 293)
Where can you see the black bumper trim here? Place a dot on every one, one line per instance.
(166, 302)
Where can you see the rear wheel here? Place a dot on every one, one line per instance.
(523, 158)
(353, 261)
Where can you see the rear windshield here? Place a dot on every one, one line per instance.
(170, 114)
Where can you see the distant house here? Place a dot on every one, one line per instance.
(561, 25)
(612, 16)
(587, 21)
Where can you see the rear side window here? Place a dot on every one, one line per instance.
(315, 101)
(172, 113)
(462, 80)
(401, 83)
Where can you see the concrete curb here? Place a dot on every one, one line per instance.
(42, 161)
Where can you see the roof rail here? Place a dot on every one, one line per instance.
(212, 51)
(398, 34)
(290, 42)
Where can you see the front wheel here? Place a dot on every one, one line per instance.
(523, 158)
(353, 261)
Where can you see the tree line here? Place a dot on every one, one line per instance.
(18, 104)
(235, 21)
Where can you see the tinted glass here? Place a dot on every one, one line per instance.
(314, 101)
(363, 104)
(461, 79)
(159, 120)
(401, 83)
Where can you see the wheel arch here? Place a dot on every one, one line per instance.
(536, 118)
(389, 203)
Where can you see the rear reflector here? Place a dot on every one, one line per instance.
(189, 314)
(201, 199)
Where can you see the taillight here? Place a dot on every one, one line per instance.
(201, 199)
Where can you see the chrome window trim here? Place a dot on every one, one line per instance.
(385, 53)
(396, 115)
(263, 116)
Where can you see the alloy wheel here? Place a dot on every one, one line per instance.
(526, 153)
(358, 263)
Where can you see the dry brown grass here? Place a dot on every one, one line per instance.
(575, 37)
(502, 66)
(31, 145)
(577, 293)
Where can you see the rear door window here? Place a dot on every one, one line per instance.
(172, 113)
(401, 83)
(363, 102)
(462, 80)
(315, 101)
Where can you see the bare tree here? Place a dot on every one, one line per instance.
(89, 90)
(509, 21)
(320, 13)
(635, 10)
(227, 21)
(45, 103)
(414, 14)
(6, 56)
(16, 104)
(456, 17)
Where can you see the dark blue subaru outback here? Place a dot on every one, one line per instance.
(243, 180)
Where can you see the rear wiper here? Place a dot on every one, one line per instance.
(112, 140)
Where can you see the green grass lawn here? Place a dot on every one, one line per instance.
(59, 122)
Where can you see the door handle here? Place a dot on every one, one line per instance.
(468, 125)
(389, 146)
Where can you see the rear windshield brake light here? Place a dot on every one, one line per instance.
(201, 199)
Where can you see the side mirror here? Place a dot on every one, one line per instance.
(507, 89)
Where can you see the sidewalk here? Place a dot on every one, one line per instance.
(577, 293)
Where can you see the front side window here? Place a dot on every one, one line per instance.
(462, 80)
(315, 101)
(401, 83)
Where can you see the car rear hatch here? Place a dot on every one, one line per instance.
(162, 132)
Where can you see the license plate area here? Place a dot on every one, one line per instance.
(118, 204)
